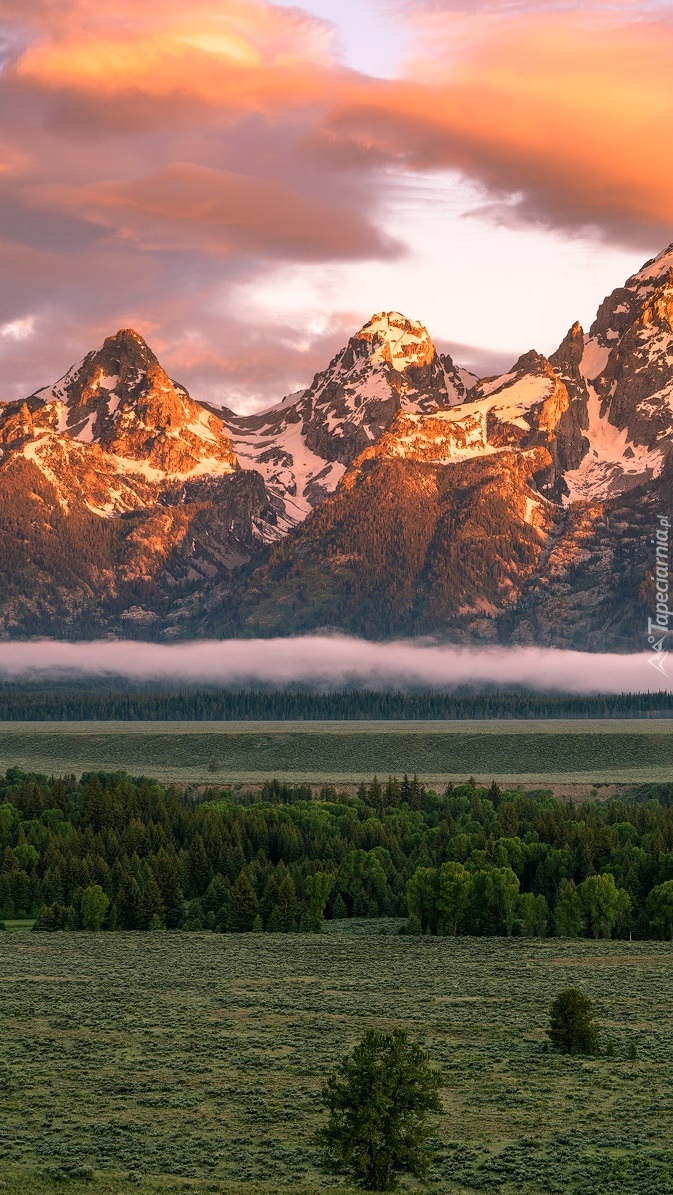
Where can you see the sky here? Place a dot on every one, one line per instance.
(246, 183)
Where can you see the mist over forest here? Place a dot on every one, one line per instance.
(331, 662)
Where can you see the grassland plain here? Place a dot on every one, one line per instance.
(170, 1062)
(516, 751)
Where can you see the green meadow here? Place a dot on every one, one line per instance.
(167, 1062)
(589, 751)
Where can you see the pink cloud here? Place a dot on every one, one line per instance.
(186, 206)
(152, 156)
(155, 154)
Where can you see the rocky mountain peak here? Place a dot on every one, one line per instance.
(568, 356)
(124, 367)
(127, 352)
(627, 361)
(531, 362)
(303, 445)
(401, 342)
(121, 398)
(130, 341)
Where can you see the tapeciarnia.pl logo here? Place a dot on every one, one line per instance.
(658, 627)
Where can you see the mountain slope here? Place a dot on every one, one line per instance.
(400, 549)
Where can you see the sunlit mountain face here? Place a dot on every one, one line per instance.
(397, 494)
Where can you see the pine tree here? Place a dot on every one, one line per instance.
(286, 906)
(167, 876)
(128, 902)
(378, 1101)
(198, 871)
(151, 907)
(243, 905)
(375, 795)
(571, 1029)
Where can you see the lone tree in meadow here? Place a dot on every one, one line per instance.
(95, 905)
(378, 1100)
(571, 1028)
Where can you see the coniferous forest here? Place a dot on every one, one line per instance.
(101, 700)
(110, 852)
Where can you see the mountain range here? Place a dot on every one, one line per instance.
(397, 495)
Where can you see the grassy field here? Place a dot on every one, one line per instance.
(628, 751)
(160, 1062)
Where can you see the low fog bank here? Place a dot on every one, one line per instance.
(333, 662)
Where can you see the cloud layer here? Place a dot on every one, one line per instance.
(335, 661)
(561, 112)
(155, 155)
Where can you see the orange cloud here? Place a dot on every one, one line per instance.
(569, 113)
(191, 116)
(152, 152)
(245, 53)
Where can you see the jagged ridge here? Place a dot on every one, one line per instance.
(403, 495)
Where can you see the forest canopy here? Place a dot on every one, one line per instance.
(109, 851)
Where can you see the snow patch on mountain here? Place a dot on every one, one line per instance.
(292, 472)
(594, 359)
(612, 463)
(511, 398)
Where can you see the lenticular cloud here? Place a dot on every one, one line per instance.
(335, 661)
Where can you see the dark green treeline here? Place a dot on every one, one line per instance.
(107, 700)
(112, 852)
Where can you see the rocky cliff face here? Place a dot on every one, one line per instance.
(624, 380)
(397, 494)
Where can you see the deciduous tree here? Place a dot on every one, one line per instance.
(659, 907)
(453, 898)
(94, 906)
(602, 904)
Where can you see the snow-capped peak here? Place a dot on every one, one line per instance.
(121, 399)
(401, 342)
(653, 270)
(303, 445)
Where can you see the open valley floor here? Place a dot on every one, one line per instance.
(554, 751)
(191, 1062)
